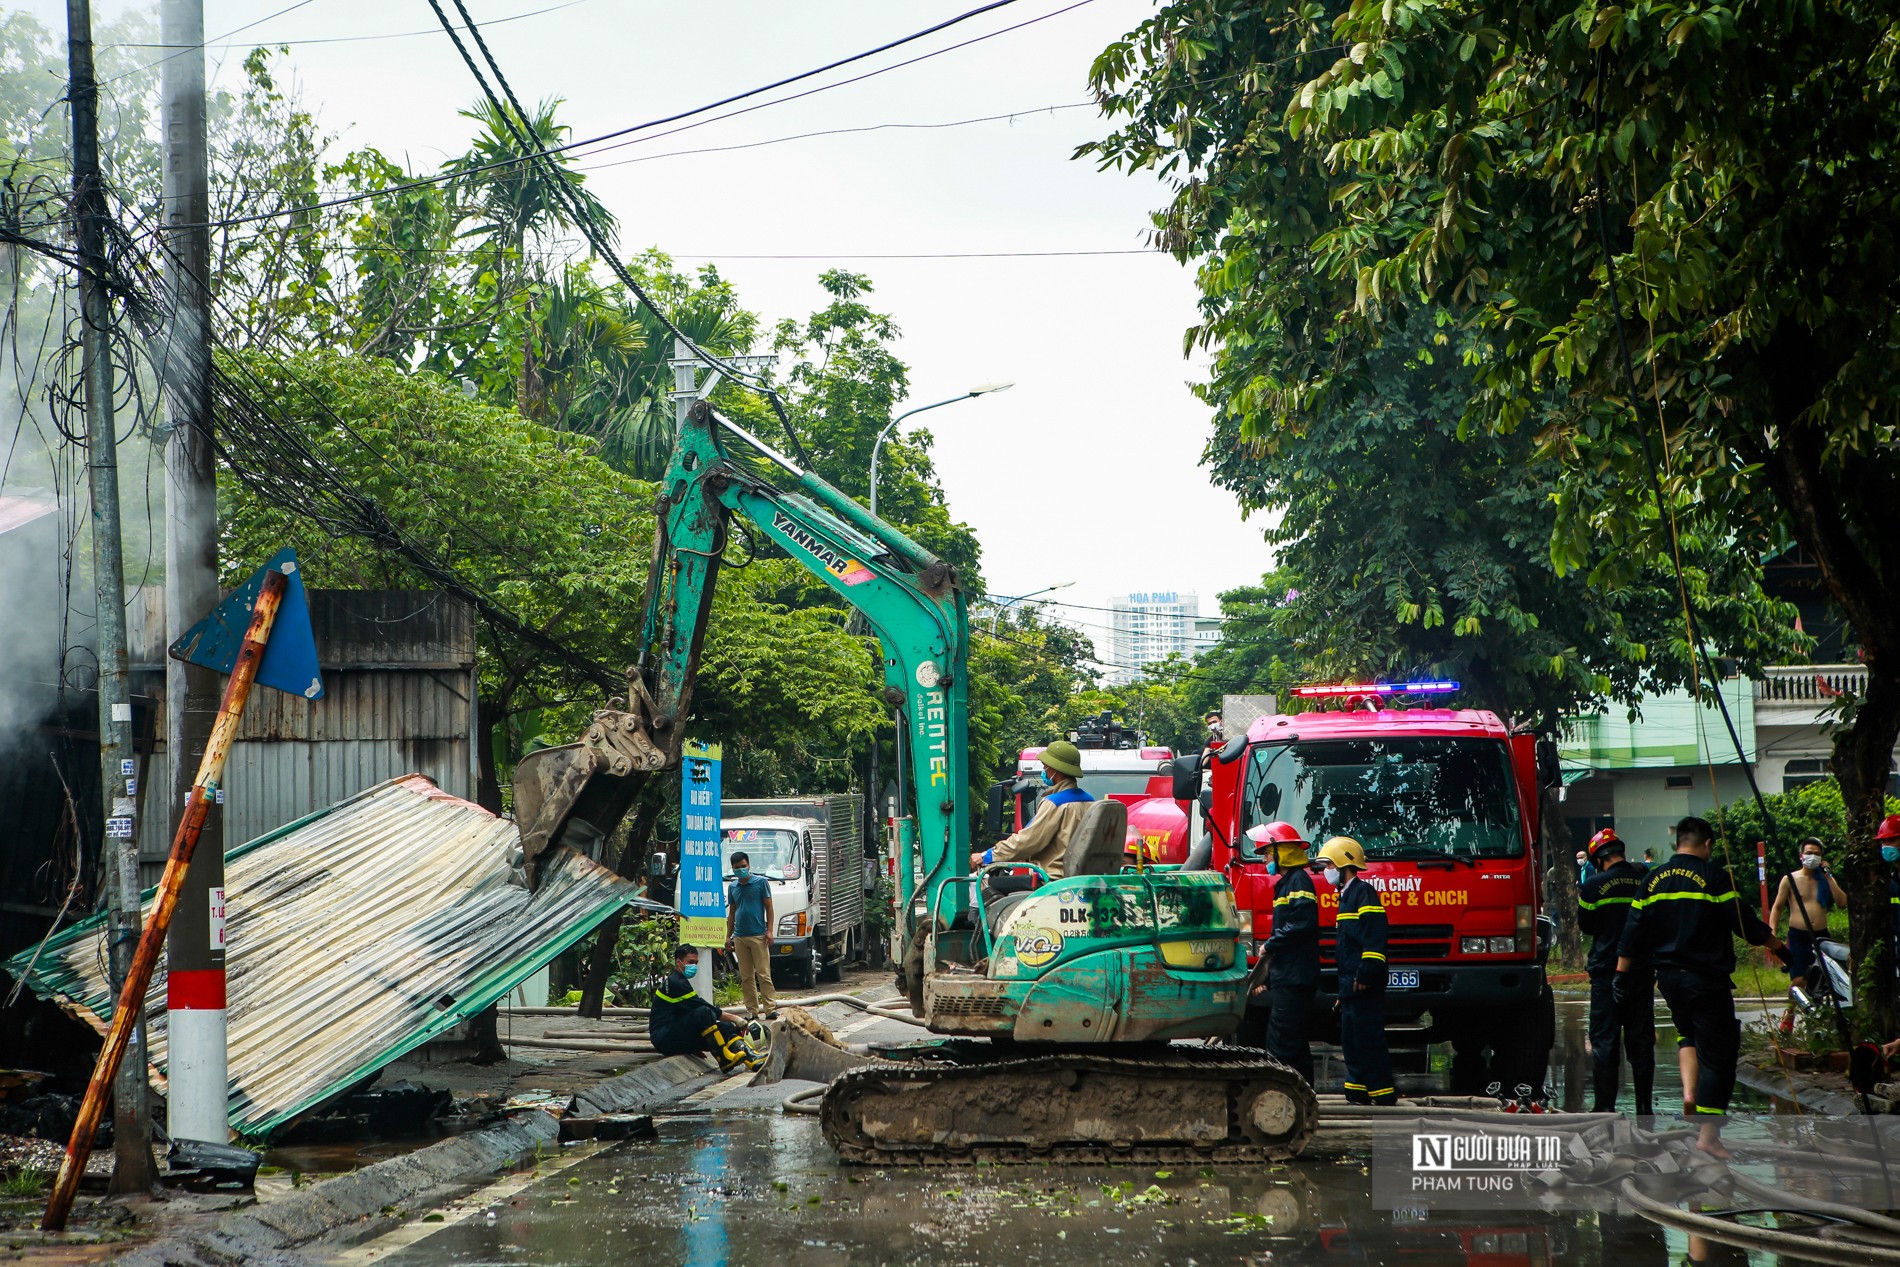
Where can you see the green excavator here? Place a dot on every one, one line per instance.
(1082, 986)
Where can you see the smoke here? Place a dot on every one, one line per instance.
(47, 609)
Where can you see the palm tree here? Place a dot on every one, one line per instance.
(514, 200)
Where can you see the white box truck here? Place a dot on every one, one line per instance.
(812, 850)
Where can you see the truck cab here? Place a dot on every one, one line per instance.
(1445, 803)
(817, 877)
(780, 849)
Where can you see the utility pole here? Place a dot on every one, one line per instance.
(689, 389)
(195, 947)
(131, 1111)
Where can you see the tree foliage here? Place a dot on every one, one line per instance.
(1815, 809)
(1709, 185)
(1423, 552)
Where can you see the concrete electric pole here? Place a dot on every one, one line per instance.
(195, 947)
(131, 1111)
(688, 388)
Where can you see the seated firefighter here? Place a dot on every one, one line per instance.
(680, 1022)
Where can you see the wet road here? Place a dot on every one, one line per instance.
(733, 1183)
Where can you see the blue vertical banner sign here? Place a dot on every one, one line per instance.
(702, 888)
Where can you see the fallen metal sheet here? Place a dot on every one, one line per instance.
(356, 935)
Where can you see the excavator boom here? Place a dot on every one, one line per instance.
(911, 598)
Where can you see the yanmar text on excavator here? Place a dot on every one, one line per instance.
(1087, 978)
(1446, 803)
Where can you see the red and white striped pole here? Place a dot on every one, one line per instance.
(59, 1202)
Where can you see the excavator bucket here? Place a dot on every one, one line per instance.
(576, 794)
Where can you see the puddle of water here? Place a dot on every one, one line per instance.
(336, 1156)
(739, 1189)
(756, 1190)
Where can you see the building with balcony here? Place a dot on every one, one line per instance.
(1680, 758)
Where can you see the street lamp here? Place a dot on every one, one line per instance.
(987, 389)
(1007, 603)
(877, 446)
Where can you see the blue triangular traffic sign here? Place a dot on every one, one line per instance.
(290, 656)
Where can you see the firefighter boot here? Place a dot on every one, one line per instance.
(1605, 1080)
(1645, 1080)
(731, 1049)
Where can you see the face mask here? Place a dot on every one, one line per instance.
(1273, 867)
(1332, 876)
(1046, 780)
(1890, 853)
(742, 872)
(1812, 861)
(690, 970)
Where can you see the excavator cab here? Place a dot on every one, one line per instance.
(1057, 962)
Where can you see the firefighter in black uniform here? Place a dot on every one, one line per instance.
(681, 1023)
(1293, 947)
(1682, 925)
(1360, 953)
(1603, 905)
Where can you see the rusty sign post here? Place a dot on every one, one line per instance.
(275, 586)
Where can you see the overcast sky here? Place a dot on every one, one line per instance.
(1087, 471)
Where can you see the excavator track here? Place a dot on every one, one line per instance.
(1167, 1104)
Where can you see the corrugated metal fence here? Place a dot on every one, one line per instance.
(399, 679)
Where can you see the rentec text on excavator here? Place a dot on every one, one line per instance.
(1060, 1006)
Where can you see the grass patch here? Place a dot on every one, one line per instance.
(24, 1183)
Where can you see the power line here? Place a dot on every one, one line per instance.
(549, 151)
(139, 70)
(777, 140)
(920, 255)
(806, 136)
(214, 43)
(869, 74)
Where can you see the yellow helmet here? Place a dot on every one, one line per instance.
(1342, 852)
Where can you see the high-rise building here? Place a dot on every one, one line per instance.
(1149, 626)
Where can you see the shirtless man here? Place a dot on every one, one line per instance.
(1805, 895)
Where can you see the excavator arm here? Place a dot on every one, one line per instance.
(911, 599)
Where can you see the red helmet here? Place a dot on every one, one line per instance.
(1889, 828)
(1277, 833)
(1603, 839)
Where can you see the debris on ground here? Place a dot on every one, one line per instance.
(356, 935)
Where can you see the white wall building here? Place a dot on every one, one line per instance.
(1148, 626)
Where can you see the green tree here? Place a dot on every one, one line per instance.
(1338, 168)
(1023, 673)
(1424, 552)
(514, 202)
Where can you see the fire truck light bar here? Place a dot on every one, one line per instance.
(1375, 688)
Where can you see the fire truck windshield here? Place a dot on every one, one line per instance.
(1400, 798)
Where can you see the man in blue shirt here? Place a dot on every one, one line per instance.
(749, 933)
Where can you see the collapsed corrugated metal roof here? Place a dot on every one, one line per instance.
(356, 935)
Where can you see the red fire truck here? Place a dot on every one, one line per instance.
(1446, 804)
